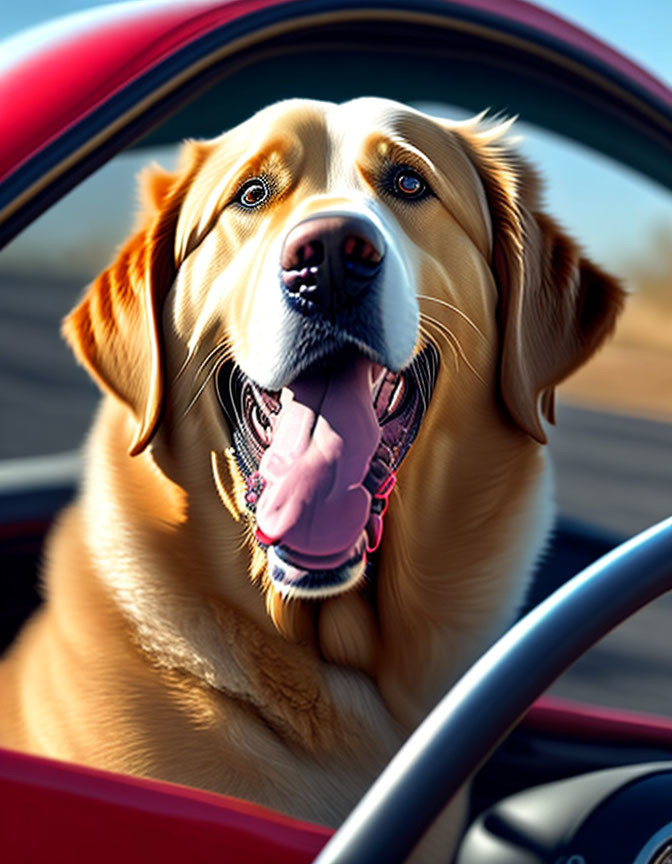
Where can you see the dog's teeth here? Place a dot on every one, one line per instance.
(377, 373)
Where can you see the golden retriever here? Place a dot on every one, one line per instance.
(321, 301)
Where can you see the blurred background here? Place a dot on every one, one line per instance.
(612, 446)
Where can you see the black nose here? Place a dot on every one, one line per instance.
(330, 262)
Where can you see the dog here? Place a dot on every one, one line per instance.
(316, 485)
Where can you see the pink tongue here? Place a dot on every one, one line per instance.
(323, 440)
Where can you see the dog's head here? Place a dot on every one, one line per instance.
(301, 293)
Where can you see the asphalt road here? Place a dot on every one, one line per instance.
(616, 472)
(46, 401)
(612, 471)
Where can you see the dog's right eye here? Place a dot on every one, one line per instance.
(405, 183)
(253, 193)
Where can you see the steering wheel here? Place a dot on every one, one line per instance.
(145, 62)
(464, 728)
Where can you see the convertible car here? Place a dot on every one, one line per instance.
(570, 784)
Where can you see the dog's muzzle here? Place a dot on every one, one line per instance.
(319, 454)
(329, 263)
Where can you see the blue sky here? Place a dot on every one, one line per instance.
(612, 209)
(640, 30)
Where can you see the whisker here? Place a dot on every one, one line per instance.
(213, 354)
(218, 349)
(430, 337)
(219, 352)
(455, 342)
(183, 368)
(450, 337)
(424, 376)
(199, 392)
(453, 309)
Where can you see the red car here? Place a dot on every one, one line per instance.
(75, 94)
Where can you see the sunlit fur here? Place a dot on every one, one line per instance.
(163, 648)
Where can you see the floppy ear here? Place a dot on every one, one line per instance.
(555, 306)
(556, 309)
(115, 331)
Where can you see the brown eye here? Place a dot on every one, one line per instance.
(253, 193)
(407, 183)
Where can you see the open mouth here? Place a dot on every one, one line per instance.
(319, 459)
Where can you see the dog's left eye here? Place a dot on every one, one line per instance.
(407, 183)
(253, 193)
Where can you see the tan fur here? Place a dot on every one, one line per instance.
(163, 648)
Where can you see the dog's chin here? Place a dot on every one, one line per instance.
(320, 555)
(294, 579)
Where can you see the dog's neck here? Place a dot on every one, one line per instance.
(428, 616)
(152, 568)
(446, 547)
